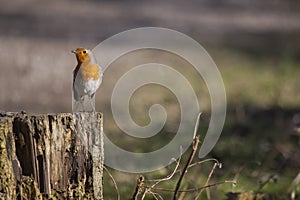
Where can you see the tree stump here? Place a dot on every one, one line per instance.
(57, 156)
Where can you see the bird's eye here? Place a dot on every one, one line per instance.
(84, 51)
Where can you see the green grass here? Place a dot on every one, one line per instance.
(262, 82)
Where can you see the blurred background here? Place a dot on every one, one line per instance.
(255, 44)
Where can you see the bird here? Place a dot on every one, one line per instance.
(87, 77)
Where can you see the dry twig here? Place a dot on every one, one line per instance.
(157, 181)
(193, 189)
(207, 180)
(114, 182)
(155, 195)
(139, 186)
(194, 149)
(181, 196)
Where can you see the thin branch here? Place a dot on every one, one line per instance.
(194, 149)
(175, 171)
(156, 195)
(207, 180)
(157, 181)
(114, 182)
(144, 194)
(197, 125)
(195, 146)
(167, 177)
(139, 185)
(189, 164)
(181, 196)
(202, 161)
(193, 189)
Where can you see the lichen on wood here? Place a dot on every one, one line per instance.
(44, 156)
(7, 177)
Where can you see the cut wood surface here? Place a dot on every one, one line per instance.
(57, 156)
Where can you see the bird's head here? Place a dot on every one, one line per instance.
(82, 55)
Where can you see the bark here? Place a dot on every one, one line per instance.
(57, 156)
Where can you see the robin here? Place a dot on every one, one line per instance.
(87, 76)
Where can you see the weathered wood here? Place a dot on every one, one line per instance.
(43, 156)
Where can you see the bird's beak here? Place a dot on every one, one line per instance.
(73, 51)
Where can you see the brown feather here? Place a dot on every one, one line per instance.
(89, 71)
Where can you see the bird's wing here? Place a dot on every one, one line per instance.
(75, 73)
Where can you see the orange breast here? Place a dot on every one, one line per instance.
(89, 71)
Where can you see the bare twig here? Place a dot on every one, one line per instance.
(167, 177)
(147, 190)
(150, 189)
(196, 125)
(202, 161)
(157, 181)
(156, 195)
(176, 170)
(139, 185)
(194, 149)
(114, 182)
(207, 180)
(193, 189)
(181, 196)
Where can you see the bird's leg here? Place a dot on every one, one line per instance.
(81, 104)
(91, 102)
(78, 105)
